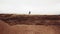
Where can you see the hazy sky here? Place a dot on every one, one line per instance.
(35, 6)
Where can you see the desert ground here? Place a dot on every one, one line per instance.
(29, 24)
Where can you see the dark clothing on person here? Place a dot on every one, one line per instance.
(29, 12)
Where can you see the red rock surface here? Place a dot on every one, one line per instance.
(3, 27)
(29, 24)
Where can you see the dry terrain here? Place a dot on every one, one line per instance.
(34, 29)
(29, 24)
(13, 19)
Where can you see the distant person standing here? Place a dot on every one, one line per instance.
(29, 12)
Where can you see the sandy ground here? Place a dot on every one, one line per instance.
(28, 29)
(34, 29)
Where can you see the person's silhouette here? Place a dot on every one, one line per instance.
(29, 12)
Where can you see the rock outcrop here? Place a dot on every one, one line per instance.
(3, 27)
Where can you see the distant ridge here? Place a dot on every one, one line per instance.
(14, 19)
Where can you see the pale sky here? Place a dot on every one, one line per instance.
(35, 6)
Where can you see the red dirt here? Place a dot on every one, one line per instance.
(33, 29)
(13, 19)
(29, 24)
(3, 27)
